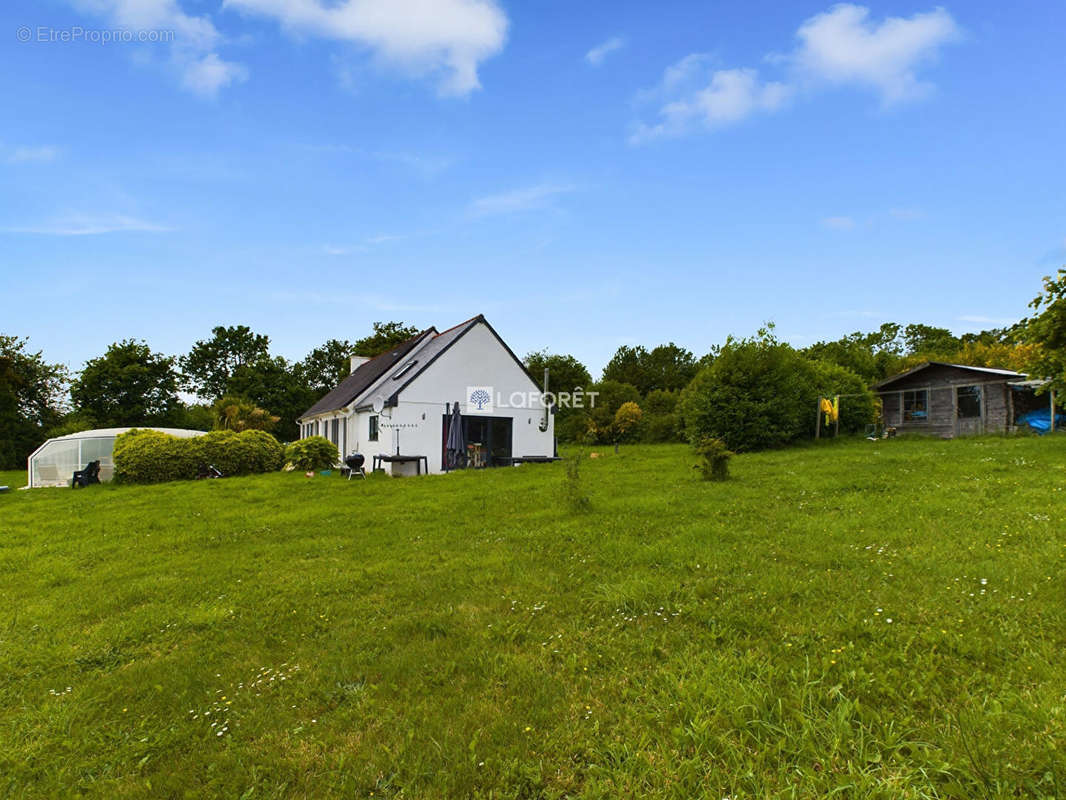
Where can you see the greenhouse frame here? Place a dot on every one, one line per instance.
(54, 462)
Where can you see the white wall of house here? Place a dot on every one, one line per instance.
(476, 359)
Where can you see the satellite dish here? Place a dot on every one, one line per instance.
(378, 404)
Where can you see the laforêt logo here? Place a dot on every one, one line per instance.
(479, 399)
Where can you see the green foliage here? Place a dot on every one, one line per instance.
(661, 421)
(598, 416)
(930, 340)
(273, 385)
(858, 406)
(312, 453)
(238, 414)
(761, 393)
(627, 421)
(574, 495)
(147, 456)
(197, 417)
(244, 453)
(1045, 331)
(386, 336)
(210, 363)
(325, 366)
(666, 367)
(714, 455)
(565, 372)
(31, 400)
(128, 386)
(873, 356)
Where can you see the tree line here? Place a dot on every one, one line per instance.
(759, 392)
(751, 392)
(237, 384)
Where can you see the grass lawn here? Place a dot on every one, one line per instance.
(860, 619)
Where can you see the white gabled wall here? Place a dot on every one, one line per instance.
(477, 358)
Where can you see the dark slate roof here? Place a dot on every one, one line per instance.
(365, 376)
(1006, 374)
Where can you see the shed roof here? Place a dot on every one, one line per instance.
(1006, 374)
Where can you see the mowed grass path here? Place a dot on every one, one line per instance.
(863, 619)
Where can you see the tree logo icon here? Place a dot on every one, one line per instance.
(479, 399)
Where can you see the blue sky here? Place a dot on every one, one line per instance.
(586, 175)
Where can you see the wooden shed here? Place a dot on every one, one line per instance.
(947, 400)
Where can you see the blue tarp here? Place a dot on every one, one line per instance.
(1040, 420)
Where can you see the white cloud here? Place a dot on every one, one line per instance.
(597, 54)
(209, 74)
(445, 37)
(838, 223)
(89, 225)
(729, 96)
(195, 39)
(841, 46)
(38, 153)
(518, 199)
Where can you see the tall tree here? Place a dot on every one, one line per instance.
(325, 366)
(666, 367)
(271, 384)
(1045, 332)
(128, 385)
(31, 400)
(565, 373)
(386, 336)
(929, 340)
(211, 362)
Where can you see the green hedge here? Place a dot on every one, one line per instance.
(312, 453)
(146, 456)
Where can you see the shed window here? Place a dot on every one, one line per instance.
(916, 406)
(372, 434)
(969, 401)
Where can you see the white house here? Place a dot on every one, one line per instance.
(400, 402)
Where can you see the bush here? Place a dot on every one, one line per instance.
(714, 465)
(761, 393)
(312, 453)
(600, 418)
(147, 456)
(857, 409)
(661, 421)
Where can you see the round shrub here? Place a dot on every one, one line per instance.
(266, 453)
(312, 453)
(762, 393)
(147, 456)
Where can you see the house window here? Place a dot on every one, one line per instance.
(372, 434)
(335, 434)
(968, 399)
(916, 406)
(404, 369)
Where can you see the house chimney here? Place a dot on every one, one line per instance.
(358, 361)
